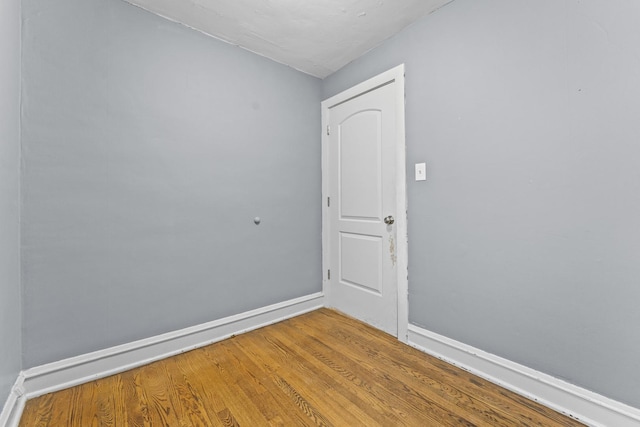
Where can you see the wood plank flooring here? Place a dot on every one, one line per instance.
(318, 369)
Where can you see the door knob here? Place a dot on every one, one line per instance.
(389, 220)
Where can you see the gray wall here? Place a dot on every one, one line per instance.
(10, 316)
(148, 150)
(525, 239)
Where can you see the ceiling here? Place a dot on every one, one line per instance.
(317, 37)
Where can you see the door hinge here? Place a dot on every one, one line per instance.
(328, 130)
(328, 202)
(328, 274)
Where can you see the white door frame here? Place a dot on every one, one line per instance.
(395, 74)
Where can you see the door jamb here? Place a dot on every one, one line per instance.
(396, 75)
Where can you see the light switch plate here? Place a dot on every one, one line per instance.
(421, 172)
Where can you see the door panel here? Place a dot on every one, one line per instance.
(360, 166)
(356, 269)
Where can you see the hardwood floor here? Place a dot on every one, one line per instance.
(319, 369)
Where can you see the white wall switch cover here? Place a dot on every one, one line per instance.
(421, 172)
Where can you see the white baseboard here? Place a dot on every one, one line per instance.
(100, 364)
(12, 410)
(576, 402)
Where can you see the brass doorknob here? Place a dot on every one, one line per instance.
(389, 220)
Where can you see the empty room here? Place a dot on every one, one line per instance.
(323, 212)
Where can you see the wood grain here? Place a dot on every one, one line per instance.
(318, 369)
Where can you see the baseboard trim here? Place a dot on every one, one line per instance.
(100, 364)
(12, 410)
(585, 406)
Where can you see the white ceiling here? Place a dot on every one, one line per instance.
(317, 37)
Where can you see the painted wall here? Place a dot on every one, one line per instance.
(525, 239)
(10, 317)
(149, 148)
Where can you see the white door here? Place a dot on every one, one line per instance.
(361, 150)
